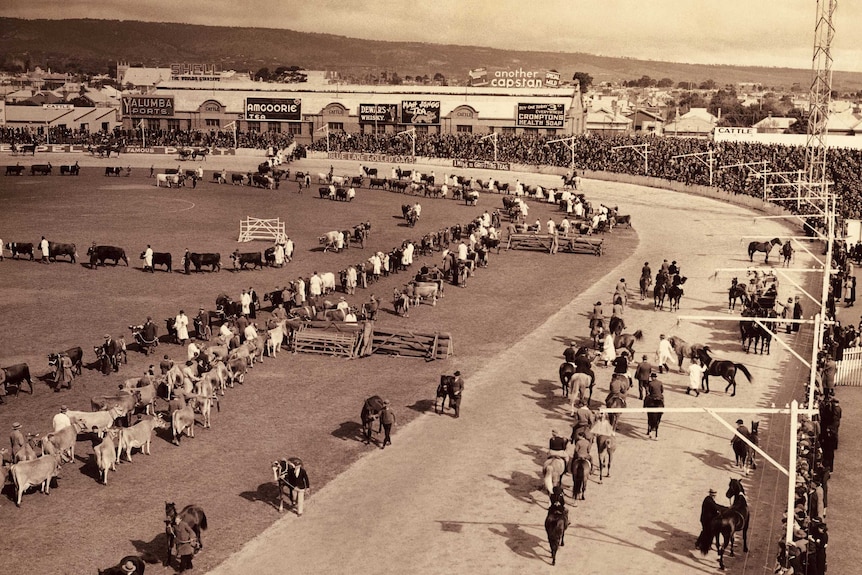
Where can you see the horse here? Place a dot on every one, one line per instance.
(645, 282)
(370, 413)
(627, 341)
(684, 350)
(580, 473)
(606, 445)
(743, 452)
(729, 521)
(737, 291)
(614, 401)
(194, 517)
(444, 390)
(553, 470)
(653, 419)
(658, 294)
(675, 293)
(556, 523)
(762, 247)
(725, 368)
(616, 325)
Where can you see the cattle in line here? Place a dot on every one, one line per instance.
(248, 351)
(370, 172)
(240, 260)
(14, 170)
(56, 250)
(39, 471)
(418, 291)
(341, 195)
(73, 170)
(16, 375)
(161, 259)
(139, 435)
(327, 282)
(238, 179)
(98, 422)
(338, 180)
(105, 454)
(170, 180)
(100, 254)
(263, 181)
(206, 396)
(22, 249)
(41, 169)
(75, 354)
(63, 441)
(144, 392)
(378, 183)
(115, 171)
(329, 241)
(122, 402)
(356, 181)
(183, 421)
(237, 368)
(205, 259)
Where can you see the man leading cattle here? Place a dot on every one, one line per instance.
(181, 324)
(148, 259)
(110, 353)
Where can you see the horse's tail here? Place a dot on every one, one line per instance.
(203, 520)
(548, 477)
(744, 370)
(638, 335)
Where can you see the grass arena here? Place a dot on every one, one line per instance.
(449, 495)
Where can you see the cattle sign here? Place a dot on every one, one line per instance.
(148, 106)
(420, 111)
(541, 115)
(378, 113)
(273, 109)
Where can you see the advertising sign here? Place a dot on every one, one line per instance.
(273, 109)
(378, 113)
(520, 78)
(148, 106)
(541, 115)
(481, 164)
(420, 111)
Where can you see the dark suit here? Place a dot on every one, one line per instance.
(455, 395)
(709, 510)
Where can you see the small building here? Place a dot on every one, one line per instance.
(647, 121)
(771, 125)
(696, 123)
(607, 122)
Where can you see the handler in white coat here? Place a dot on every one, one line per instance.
(181, 323)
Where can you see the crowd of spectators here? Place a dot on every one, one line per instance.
(597, 153)
(591, 152)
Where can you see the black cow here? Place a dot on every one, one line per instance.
(113, 171)
(70, 170)
(370, 172)
(237, 179)
(56, 250)
(240, 260)
(199, 260)
(76, 354)
(356, 181)
(99, 254)
(341, 195)
(227, 307)
(378, 183)
(269, 256)
(15, 375)
(17, 248)
(14, 170)
(41, 169)
(275, 297)
(160, 259)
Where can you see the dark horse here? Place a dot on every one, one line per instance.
(580, 472)
(737, 291)
(675, 293)
(645, 282)
(444, 390)
(762, 247)
(194, 517)
(743, 452)
(653, 419)
(729, 521)
(614, 401)
(724, 368)
(556, 522)
(370, 413)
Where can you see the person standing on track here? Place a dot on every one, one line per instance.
(45, 247)
(387, 420)
(664, 354)
(297, 484)
(455, 394)
(642, 372)
(709, 510)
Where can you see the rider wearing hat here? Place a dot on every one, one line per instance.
(557, 447)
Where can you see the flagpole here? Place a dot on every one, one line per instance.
(143, 133)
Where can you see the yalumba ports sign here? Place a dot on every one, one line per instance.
(273, 109)
(541, 115)
(148, 106)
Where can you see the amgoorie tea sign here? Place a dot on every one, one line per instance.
(273, 109)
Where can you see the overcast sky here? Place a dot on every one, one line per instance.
(742, 32)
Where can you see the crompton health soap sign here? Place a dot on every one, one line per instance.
(420, 111)
(541, 115)
(273, 109)
(148, 106)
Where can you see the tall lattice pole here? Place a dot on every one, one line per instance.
(820, 96)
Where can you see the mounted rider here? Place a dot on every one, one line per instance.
(557, 447)
(584, 420)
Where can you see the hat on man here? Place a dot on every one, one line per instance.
(739, 422)
(457, 373)
(16, 425)
(63, 409)
(128, 567)
(653, 375)
(713, 492)
(386, 402)
(107, 336)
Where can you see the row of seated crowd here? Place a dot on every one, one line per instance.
(594, 153)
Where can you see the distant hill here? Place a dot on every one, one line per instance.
(94, 46)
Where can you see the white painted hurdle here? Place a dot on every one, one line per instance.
(258, 229)
(850, 368)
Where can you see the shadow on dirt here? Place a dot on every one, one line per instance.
(265, 493)
(349, 430)
(153, 551)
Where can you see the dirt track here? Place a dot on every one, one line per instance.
(464, 495)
